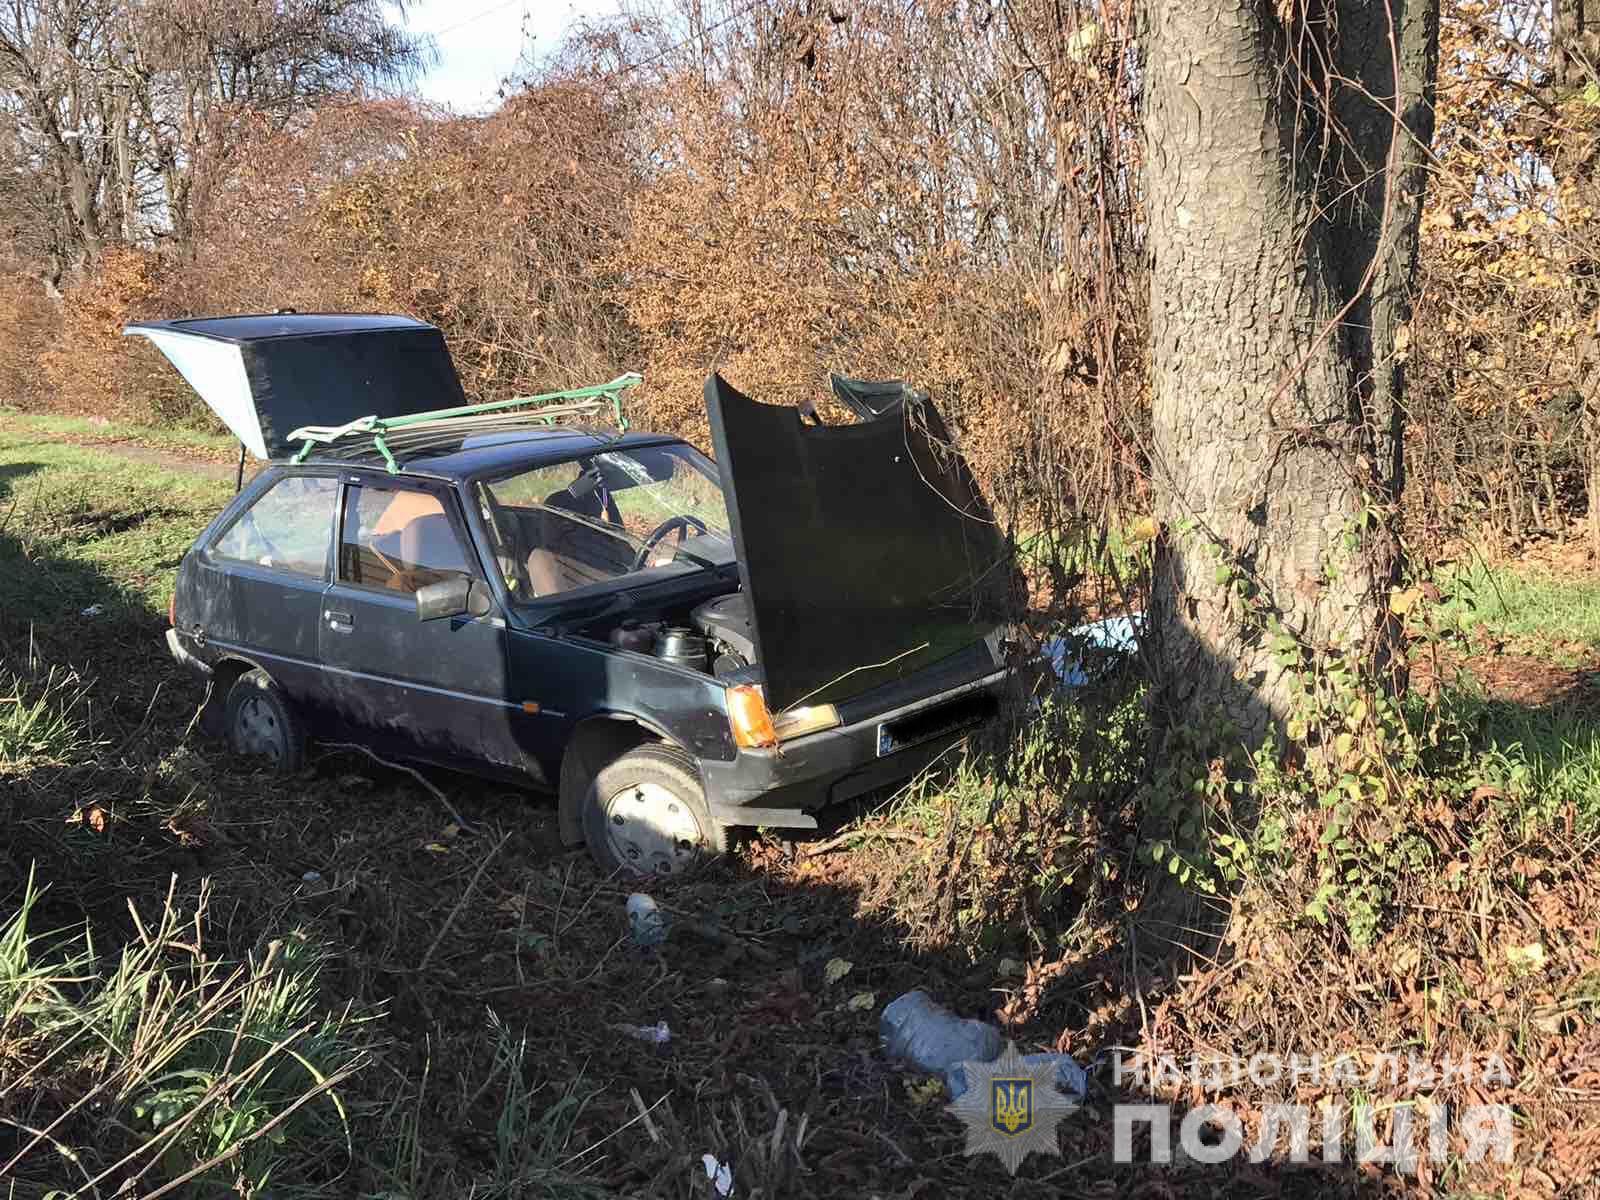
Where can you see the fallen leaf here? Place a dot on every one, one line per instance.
(1082, 42)
(97, 819)
(1401, 602)
(1145, 529)
(836, 970)
(862, 1001)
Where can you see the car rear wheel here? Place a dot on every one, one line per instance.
(645, 814)
(262, 723)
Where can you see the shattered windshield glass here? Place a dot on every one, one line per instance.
(648, 511)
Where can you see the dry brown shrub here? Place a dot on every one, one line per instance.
(493, 228)
(886, 193)
(497, 230)
(30, 323)
(92, 368)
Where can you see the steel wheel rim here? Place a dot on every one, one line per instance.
(260, 731)
(652, 830)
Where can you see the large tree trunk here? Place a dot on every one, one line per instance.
(1575, 53)
(1276, 456)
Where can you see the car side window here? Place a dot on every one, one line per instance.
(400, 539)
(286, 529)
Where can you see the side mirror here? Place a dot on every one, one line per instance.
(457, 596)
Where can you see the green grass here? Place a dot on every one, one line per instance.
(1555, 618)
(41, 715)
(1110, 550)
(1561, 752)
(114, 797)
(162, 1063)
(180, 438)
(169, 1016)
(80, 528)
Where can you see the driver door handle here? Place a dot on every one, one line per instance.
(340, 622)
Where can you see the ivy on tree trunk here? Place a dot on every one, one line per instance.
(1285, 178)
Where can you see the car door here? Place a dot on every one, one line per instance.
(259, 581)
(433, 688)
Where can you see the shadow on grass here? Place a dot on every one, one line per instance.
(11, 472)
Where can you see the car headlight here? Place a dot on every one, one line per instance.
(754, 726)
(798, 722)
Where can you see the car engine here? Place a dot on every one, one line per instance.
(715, 638)
(726, 624)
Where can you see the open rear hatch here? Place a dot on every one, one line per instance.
(866, 551)
(265, 376)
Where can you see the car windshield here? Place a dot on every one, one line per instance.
(633, 514)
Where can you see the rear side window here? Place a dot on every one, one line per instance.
(286, 529)
(399, 539)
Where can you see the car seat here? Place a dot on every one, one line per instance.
(431, 551)
(572, 552)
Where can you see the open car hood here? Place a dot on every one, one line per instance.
(866, 550)
(265, 376)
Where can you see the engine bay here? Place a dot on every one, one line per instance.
(714, 637)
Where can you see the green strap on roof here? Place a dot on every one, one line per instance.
(596, 396)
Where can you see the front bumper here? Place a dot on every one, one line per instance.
(781, 787)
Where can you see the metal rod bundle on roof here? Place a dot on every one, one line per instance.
(550, 406)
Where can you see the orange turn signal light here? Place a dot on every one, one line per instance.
(748, 715)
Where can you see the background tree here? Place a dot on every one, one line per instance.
(130, 111)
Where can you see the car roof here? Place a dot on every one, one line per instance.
(469, 447)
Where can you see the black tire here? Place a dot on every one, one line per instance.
(658, 788)
(262, 723)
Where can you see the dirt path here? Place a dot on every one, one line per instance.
(172, 460)
(168, 460)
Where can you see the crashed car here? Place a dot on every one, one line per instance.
(673, 645)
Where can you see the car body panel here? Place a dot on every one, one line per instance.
(266, 616)
(267, 375)
(439, 686)
(871, 399)
(867, 551)
(574, 679)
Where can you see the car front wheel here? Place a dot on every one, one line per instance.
(645, 814)
(262, 723)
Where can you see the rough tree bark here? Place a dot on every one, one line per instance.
(1283, 214)
(1575, 53)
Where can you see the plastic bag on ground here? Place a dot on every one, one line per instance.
(917, 1030)
(1070, 1077)
(647, 924)
(925, 1034)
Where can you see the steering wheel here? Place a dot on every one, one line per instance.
(682, 524)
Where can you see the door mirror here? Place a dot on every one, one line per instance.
(457, 596)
